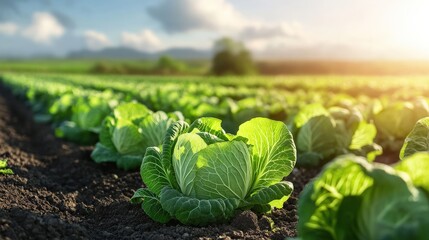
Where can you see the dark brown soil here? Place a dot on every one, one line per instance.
(58, 192)
(388, 157)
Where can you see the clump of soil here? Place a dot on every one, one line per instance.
(57, 191)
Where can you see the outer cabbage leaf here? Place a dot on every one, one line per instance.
(128, 162)
(106, 132)
(131, 111)
(152, 171)
(392, 208)
(61, 109)
(321, 199)
(102, 154)
(70, 131)
(173, 132)
(354, 121)
(339, 112)
(371, 151)
(176, 116)
(417, 168)
(343, 136)
(316, 136)
(274, 195)
(151, 205)
(209, 138)
(308, 112)
(128, 139)
(193, 211)
(273, 151)
(170, 139)
(153, 128)
(417, 140)
(89, 117)
(364, 135)
(347, 213)
(209, 125)
(398, 120)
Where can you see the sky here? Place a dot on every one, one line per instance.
(287, 29)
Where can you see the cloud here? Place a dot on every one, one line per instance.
(263, 31)
(8, 28)
(221, 17)
(323, 50)
(64, 19)
(44, 28)
(95, 40)
(260, 36)
(185, 15)
(146, 40)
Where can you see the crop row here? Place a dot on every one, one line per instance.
(198, 173)
(62, 98)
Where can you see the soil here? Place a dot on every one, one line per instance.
(388, 157)
(58, 192)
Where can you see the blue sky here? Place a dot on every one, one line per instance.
(304, 29)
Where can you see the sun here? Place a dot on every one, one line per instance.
(409, 28)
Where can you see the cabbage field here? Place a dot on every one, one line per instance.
(187, 157)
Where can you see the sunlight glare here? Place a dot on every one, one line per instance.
(410, 29)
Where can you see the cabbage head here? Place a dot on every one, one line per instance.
(128, 132)
(203, 175)
(352, 199)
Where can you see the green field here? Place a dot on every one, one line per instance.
(201, 67)
(217, 144)
(94, 66)
(233, 99)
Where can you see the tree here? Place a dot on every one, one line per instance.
(231, 58)
(168, 65)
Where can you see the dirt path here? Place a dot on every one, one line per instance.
(58, 192)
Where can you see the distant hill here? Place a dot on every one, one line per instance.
(186, 53)
(110, 53)
(129, 53)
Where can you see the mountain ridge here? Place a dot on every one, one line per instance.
(129, 53)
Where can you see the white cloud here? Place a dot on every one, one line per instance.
(8, 28)
(146, 40)
(44, 28)
(95, 40)
(259, 30)
(221, 17)
(185, 15)
(260, 36)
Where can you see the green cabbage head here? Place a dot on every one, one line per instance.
(203, 175)
(352, 199)
(128, 132)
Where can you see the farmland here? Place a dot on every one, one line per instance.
(68, 179)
